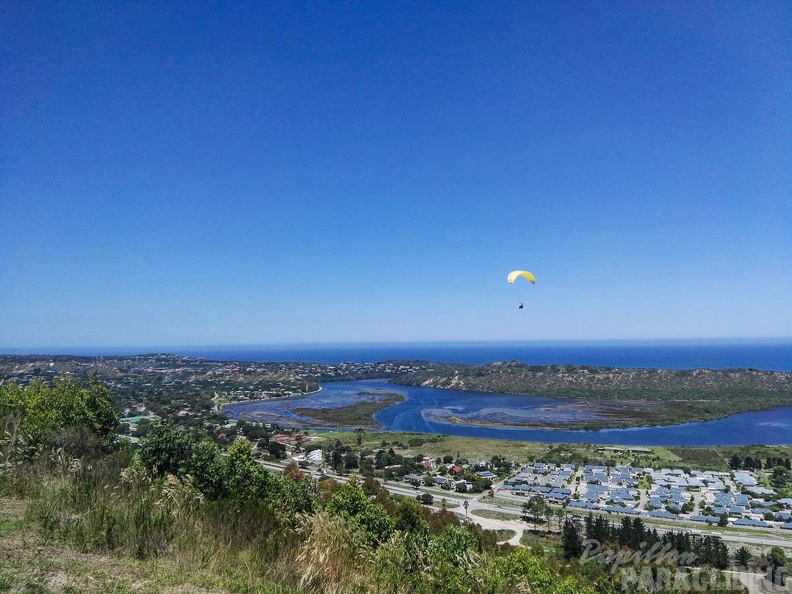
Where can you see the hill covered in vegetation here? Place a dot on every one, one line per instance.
(179, 513)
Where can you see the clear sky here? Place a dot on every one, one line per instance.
(210, 173)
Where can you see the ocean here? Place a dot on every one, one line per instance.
(764, 355)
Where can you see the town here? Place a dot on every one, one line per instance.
(192, 391)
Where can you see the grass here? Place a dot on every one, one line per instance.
(359, 414)
(494, 515)
(475, 448)
(504, 534)
(32, 564)
(535, 541)
(515, 504)
(469, 448)
(9, 526)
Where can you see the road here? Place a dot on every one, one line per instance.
(757, 537)
(454, 501)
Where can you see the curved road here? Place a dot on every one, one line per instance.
(456, 501)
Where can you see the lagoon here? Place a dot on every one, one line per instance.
(429, 410)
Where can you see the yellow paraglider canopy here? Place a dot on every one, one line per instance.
(513, 276)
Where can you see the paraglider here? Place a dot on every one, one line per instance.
(517, 273)
(513, 276)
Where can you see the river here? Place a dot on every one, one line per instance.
(429, 410)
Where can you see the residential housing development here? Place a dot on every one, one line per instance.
(728, 498)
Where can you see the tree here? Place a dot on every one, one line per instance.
(370, 486)
(777, 559)
(359, 433)
(426, 498)
(780, 477)
(167, 449)
(533, 509)
(350, 460)
(204, 466)
(351, 502)
(292, 471)
(277, 450)
(742, 556)
(571, 540)
(410, 517)
(42, 412)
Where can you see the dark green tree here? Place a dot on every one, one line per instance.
(780, 477)
(778, 559)
(742, 556)
(571, 540)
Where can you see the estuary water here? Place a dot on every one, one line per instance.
(430, 410)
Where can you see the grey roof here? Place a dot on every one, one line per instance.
(747, 522)
(708, 519)
(622, 510)
(662, 514)
(582, 505)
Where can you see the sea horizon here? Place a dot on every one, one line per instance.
(769, 354)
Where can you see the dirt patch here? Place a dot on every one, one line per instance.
(12, 509)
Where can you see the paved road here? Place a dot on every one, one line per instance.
(455, 501)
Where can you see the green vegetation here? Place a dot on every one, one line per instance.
(220, 520)
(502, 535)
(624, 397)
(468, 448)
(359, 414)
(9, 526)
(179, 513)
(192, 392)
(494, 515)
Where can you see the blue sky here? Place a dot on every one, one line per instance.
(251, 173)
